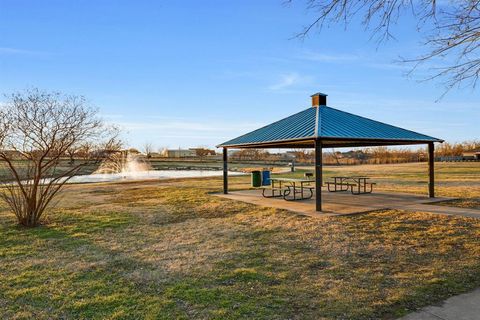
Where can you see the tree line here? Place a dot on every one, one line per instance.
(374, 155)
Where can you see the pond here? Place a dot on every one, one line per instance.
(148, 175)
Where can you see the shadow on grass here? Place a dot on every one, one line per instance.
(280, 265)
(73, 276)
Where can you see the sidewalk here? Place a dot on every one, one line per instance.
(462, 307)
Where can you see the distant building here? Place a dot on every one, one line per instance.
(471, 155)
(133, 151)
(290, 155)
(202, 152)
(178, 153)
(156, 154)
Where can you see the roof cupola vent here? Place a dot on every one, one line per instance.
(319, 99)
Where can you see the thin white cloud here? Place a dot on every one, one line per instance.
(377, 62)
(374, 102)
(186, 132)
(288, 81)
(7, 50)
(387, 66)
(176, 126)
(324, 57)
(111, 116)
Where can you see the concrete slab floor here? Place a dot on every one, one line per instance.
(462, 307)
(345, 203)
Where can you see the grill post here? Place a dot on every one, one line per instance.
(318, 175)
(225, 171)
(431, 170)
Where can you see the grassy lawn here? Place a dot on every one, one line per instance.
(171, 250)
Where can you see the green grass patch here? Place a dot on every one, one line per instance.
(172, 250)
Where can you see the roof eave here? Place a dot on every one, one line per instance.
(327, 138)
(250, 144)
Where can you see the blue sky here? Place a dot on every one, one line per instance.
(197, 73)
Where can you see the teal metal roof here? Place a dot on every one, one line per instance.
(335, 127)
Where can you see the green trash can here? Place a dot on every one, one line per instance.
(256, 179)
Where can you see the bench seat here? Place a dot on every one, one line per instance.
(290, 191)
(339, 187)
(272, 188)
(274, 191)
(340, 184)
(364, 189)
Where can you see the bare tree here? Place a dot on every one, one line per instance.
(37, 129)
(84, 150)
(202, 152)
(71, 152)
(148, 149)
(251, 154)
(451, 30)
(335, 155)
(304, 155)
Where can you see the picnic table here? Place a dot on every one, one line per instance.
(356, 184)
(290, 189)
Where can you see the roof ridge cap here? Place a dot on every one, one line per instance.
(317, 122)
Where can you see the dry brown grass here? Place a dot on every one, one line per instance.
(171, 250)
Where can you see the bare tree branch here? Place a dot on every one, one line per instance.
(148, 149)
(37, 130)
(451, 31)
